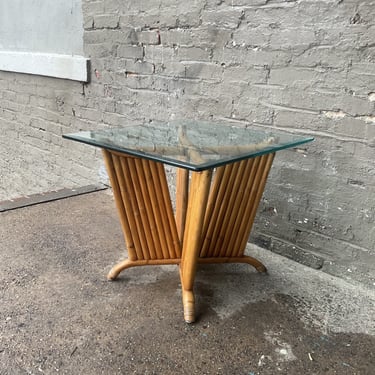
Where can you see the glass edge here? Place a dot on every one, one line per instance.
(186, 165)
(165, 160)
(204, 166)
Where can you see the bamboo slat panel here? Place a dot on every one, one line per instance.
(175, 247)
(143, 201)
(263, 172)
(120, 204)
(234, 198)
(217, 195)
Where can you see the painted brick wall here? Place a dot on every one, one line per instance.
(34, 113)
(304, 66)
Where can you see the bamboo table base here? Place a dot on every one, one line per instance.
(214, 215)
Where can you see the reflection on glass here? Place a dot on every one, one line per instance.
(188, 144)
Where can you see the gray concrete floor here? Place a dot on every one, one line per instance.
(58, 314)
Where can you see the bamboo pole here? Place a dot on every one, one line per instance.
(153, 187)
(222, 207)
(241, 217)
(221, 181)
(188, 224)
(115, 271)
(144, 184)
(249, 206)
(259, 266)
(175, 249)
(134, 207)
(212, 199)
(234, 195)
(240, 200)
(128, 206)
(191, 150)
(155, 171)
(262, 182)
(182, 191)
(198, 197)
(141, 205)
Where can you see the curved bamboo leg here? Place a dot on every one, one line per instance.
(115, 271)
(259, 266)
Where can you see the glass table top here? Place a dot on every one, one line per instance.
(190, 144)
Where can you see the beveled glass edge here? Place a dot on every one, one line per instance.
(184, 164)
(219, 163)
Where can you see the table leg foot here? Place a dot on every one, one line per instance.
(189, 306)
(115, 271)
(259, 266)
(119, 267)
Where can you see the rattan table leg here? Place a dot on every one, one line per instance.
(235, 195)
(200, 186)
